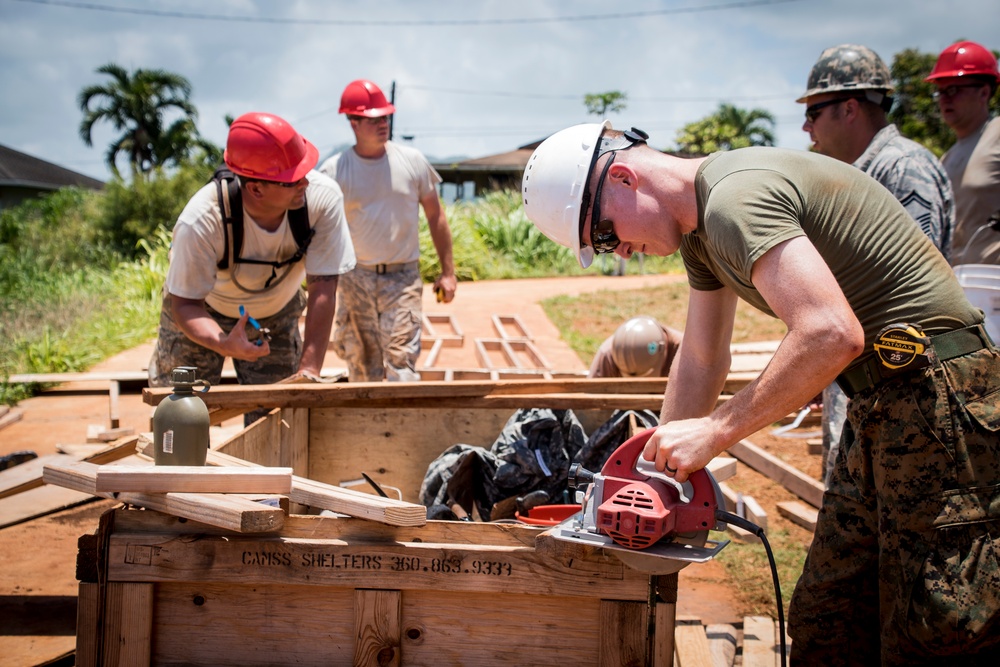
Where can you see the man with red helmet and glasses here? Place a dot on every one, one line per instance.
(966, 78)
(206, 308)
(385, 184)
(903, 567)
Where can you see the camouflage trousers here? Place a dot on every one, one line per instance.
(174, 348)
(904, 568)
(378, 325)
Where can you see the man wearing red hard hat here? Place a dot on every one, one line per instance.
(966, 77)
(222, 277)
(385, 184)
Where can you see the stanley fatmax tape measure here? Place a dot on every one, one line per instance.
(900, 348)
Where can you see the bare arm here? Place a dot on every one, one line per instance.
(441, 235)
(823, 337)
(703, 360)
(319, 322)
(194, 320)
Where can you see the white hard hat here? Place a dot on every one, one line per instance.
(554, 185)
(554, 181)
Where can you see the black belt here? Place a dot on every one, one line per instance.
(869, 370)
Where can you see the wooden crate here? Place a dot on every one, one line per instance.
(327, 590)
(338, 591)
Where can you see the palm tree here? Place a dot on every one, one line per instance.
(728, 128)
(135, 104)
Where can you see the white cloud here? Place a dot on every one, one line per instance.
(675, 67)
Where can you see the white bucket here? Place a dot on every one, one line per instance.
(981, 283)
(983, 274)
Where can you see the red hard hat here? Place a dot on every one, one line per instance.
(264, 146)
(965, 59)
(364, 98)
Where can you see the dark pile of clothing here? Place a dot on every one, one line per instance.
(533, 452)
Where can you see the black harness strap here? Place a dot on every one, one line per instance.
(231, 207)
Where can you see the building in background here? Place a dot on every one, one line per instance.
(23, 177)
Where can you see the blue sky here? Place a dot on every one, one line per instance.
(471, 78)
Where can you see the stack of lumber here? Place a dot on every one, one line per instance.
(217, 495)
(755, 643)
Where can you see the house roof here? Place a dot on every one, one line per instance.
(514, 160)
(19, 169)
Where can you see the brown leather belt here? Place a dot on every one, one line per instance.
(868, 371)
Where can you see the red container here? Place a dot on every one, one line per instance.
(547, 515)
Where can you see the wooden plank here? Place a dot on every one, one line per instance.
(11, 417)
(128, 623)
(796, 481)
(192, 479)
(722, 468)
(623, 639)
(691, 644)
(88, 610)
(28, 475)
(231, 512)
(799, 513)
(758, 642)
(378, 628)
(37, 502)
(343, 501)
(663, 634)
(737, 502)
(722, 644)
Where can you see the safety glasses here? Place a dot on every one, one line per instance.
(812, 113)
(602, 232)
(952, 91)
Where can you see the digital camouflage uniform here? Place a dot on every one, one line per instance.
(377, 328)
(175, 349)
(918, 482)
(903, 567)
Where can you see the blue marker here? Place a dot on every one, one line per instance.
(255, 324)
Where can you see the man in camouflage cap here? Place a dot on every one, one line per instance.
(847, 100)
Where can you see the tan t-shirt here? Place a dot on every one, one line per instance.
(973, 165)
(382, 198)
(198, 245)
(752, 199)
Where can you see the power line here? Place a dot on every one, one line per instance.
(115, 9)
(672, 98)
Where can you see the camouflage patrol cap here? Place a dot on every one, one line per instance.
(848, 67)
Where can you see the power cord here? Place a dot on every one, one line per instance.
(736, 520)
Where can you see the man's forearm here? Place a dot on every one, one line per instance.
(319, 322)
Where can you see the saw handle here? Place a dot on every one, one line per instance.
(623, 461)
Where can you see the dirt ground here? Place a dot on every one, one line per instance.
(38, 579)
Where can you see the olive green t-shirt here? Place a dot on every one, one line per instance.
(752, 199)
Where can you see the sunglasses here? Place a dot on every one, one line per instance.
(813, 112)
(952, 91)
(602, 232)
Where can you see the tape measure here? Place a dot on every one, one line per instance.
(439, 292)
(898, 345)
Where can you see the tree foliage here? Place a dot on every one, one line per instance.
(136, 104)
(600, 104)
(915, 112)
(728, 128)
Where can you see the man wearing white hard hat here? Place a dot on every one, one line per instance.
(867, 299)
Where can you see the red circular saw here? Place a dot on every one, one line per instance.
(639, 507)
